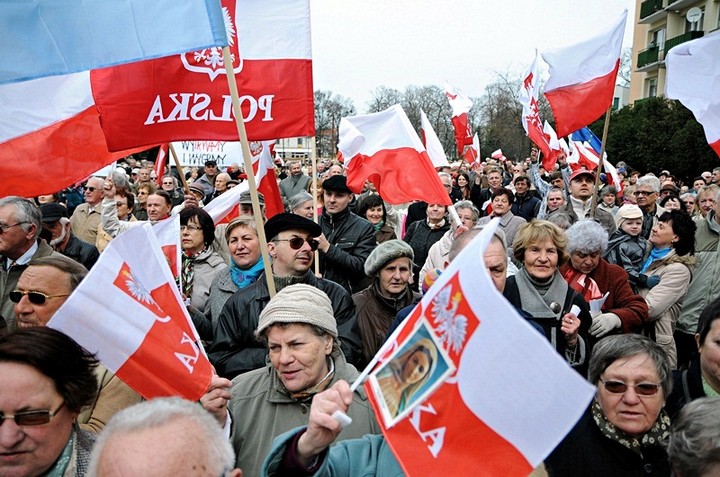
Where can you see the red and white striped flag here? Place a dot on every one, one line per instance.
(469, 416)
(434, 148)
(168, 234)
(160, 161)
(129, 311)
(264, 169)
(461, 106)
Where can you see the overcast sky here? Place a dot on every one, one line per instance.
(359, 45)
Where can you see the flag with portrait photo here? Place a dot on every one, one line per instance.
(129, 312)
(497, 411)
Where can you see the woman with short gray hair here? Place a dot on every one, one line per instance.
(625, 428)
(694, 447)
(623, 311)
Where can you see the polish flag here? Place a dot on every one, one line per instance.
(160, 161)
(613, 178)
(497, 154)
(168, 234)
(582, 156)
(461, 106)
(265, 177)
(469, 417)
(50, 135)
(435, 151)
(590, 141)
(582, 77)
(225, 207)
(556, 147)
(272, 61)
(385, 149)
(693, 69)
(472, 153)
(129, 311)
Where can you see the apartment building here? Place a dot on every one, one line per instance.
(660, 25)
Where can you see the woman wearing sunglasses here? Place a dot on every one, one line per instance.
(45, 380)
(624, 430)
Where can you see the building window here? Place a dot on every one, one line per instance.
(658, 38)
(651, 87)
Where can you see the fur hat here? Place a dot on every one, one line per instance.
(299, 303)
(627, 212)
(387, 252)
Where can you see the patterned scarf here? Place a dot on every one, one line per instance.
(582, 284)
(188, 272)
(242, 278)
(658, 433)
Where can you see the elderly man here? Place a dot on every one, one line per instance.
(20, 223)
(221, 186)
(295, 182)
(646, 194)
(390, 266)
(41, 289)
(159, 205)
(346, 239)
(55, 221)
(86, 217)
(207, 180)
(291, 242)
(162, 438)
(170, 185)
(481, 197)
(300, 332)
(582, 188)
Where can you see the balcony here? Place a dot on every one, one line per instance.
(675, 41)
(647, 57)
(652, 11)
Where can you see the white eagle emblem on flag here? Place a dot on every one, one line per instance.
(210, 60)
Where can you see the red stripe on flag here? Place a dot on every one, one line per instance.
(276, 99)
(716, 147)
(578, 105)
(400, 175)
(52, 158)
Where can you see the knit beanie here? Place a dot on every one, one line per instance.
(387, 252)
(299, 303)
(627, 212)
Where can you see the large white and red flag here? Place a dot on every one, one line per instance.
(168, 234)
(434, 148)
(129, 311)
(385, 149)
(461, 106)
(50, 132)
(265, 177)
(582, 156)
(693, 69)
(489, 405)
(581, 83)
(472, 153)
(225, 207)
(187, 96)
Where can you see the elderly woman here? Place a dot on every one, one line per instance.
(624, 430)
(693, 444)
(200, 264)
(688, 203)
(373, 209)
(45, 381)
(502, 200)
(438, 254)
(422, 234)
(301, 204)
(246, 265)
(706, 199)
(544, 296)
(702, 378)
(590, 275)
(301, 334)
(668, 268)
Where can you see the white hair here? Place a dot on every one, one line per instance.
(649, 181)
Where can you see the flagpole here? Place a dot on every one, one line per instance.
(313, 160)
(179, 167)
(600, 163)
(247, 160)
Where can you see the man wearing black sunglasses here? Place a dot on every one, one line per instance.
(86, 218)
(292, 240)
(20, 225)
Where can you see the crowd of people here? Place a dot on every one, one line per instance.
(621, 279)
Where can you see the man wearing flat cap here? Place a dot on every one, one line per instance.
(56, 225)
(292, 240)
(346, 240)
(390, 267)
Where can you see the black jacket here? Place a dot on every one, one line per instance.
(687, 386)
(351, 238)
(526, 206)
(586, 452)
(82, 252)
(235, 350)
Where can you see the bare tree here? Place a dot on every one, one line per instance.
(329, 109)
(383, 98)
(623, 77)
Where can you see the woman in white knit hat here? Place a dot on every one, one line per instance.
(305, 358)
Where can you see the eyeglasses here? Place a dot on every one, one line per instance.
(183, 228)
(120, 204)
(91, 189)
(643, 192)
(643, 389)
(4, 228)
(296, 243)
(31, 418)
(35, 297)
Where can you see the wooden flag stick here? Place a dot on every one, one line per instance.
(596, 195)
(178, 167)
(247, 160)
(313, 184)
